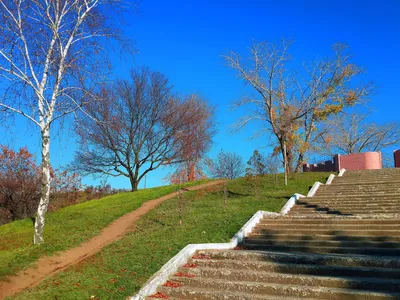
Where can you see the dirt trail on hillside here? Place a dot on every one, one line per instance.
(49, 265)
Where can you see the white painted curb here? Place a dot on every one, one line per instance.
(290, 203)
(341, 172)
(178, 260)
(330, 179)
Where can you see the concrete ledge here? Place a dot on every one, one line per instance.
(179, 259)
(330, 179)
(341, 172)
(314, 189)
(291, 202)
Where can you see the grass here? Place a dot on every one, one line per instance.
(68, 227)
(120, 269)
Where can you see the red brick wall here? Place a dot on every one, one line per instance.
(397, 159)
(360, 161)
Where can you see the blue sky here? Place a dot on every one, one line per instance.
(186, 39)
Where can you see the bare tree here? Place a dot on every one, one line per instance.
(142, 126)
(49, 50)
(347, 134)
(227, 165)
(293, 104)
(196, 139)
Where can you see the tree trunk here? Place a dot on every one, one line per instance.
(191, 171)
(134, 183)
(299, 162)
(289, 157)
(45, 192)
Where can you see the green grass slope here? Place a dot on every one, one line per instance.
(68, 227)
(121, 268)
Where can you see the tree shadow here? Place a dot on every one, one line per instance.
(357, 262)
(321, 209)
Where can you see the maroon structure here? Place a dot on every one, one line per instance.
(351, 162)
(397, 159)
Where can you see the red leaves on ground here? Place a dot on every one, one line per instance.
(238, 248)
(180, 274)
(172, 284)
(77, 285)
(159, 296)
(190, 266)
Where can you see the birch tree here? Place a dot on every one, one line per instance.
(50, 50)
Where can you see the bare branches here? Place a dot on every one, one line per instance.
(293, 103)
(227, 165)
(353, 133)
(141, 126)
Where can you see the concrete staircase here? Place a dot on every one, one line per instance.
(343, 243)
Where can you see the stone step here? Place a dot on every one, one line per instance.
(360, 186)
(276, 235)
(394, 196)
(366, 202)
(323, 249)
(341, 211)
(361, 193)
(346, 221)
(293, 268)
(199, 293)
(333, 226)
(329, 231)
(304, 258)
(346, 182)
(321, 243)
(358, 283)
(361, 215)
(357, 187)
(387, 187)
(272, 289)
(346, 209)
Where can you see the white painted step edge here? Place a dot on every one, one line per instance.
(182, 257)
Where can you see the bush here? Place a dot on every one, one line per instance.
(19, 184)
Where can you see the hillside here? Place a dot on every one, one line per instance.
(121, 268)
(69, 227)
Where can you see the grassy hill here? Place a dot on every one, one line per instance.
(121, 268)
(68, 227)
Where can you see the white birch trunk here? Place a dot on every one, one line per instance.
(45, 180)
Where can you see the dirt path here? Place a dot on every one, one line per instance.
(49, 265)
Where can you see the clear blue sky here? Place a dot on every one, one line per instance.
(185, 40)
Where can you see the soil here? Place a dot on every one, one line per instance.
(49, 265)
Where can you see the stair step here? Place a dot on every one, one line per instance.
(355, 205)
(322, 237)
(394, 197)
(259, 288)
(343, 182)
(345, 210)
(329, 222)
(291, 268)
(324, 243)
(334, 226)
(305, 258)
(328, 231)
(198, 293)
(323, 249)
(375, 284)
